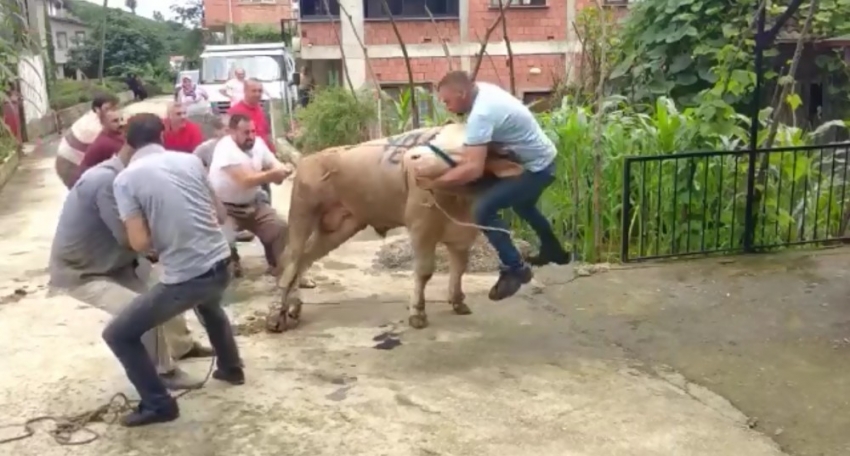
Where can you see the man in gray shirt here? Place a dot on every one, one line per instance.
(90, 259)
(167, 206)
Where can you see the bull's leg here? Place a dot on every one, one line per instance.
(302, 226)
(424, 263)
(458, 261)
(318, 247)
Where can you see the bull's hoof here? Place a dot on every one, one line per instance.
(418, 321)
(276, 322)
(461, 308)
(292, 321)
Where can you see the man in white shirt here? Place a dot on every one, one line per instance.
(234, 89)
(240, 166)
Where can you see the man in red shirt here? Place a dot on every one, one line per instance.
(108, 143)
(181, 134)
(252, 107)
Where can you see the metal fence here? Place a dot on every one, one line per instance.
(734, 201)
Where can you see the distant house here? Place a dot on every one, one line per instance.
(68, 31)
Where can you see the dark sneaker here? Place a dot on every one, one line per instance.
(198, 351)
(233, 375)
(510, 282)
(143, 416)
(546, 257)
(177, 380)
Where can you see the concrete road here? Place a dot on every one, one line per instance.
(511, 379)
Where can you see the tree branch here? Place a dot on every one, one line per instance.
(413, 105)
(511, 73)
(440, 36)
(790, 77)
(341, 50)
(369, 67)
(483, 48)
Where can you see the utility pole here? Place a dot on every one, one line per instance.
(103, 39)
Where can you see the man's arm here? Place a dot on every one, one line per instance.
(270, 160)
(107, 208)
(231, 160)
(130, 211)
(479, 132)
(220, 213)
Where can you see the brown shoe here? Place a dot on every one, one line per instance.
(198, 351)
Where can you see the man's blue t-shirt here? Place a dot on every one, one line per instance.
(499, 117)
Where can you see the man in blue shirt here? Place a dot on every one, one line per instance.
(167, 206)
(495, 117)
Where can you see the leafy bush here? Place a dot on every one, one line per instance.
(679, 204)
(70, 92)
(335, 117)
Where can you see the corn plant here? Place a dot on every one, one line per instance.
(688, 203)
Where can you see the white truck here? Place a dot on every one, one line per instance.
(270, 63)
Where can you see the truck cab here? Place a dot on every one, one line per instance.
(270, 63)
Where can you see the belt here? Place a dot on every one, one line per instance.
(219, 266)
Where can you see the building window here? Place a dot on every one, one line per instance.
(79, 37)
(61, 40)
(411, 9)
(400, 94)
(315, 9)
(517, 3)
(538, 101)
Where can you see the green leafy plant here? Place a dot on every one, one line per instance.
(335, 117)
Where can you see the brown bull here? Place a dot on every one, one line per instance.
(338, 192)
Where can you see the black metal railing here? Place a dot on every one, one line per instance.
(696, 203)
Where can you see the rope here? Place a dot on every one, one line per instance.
(66, 427)
(466, 224)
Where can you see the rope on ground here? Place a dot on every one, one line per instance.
(66, 427)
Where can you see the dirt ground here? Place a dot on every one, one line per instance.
(625, 362)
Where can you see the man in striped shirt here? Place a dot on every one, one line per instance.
(79, 137)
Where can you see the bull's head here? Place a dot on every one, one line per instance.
(436, 157)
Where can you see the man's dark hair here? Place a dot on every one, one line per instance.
(101, 99)
(237, 119)
(144, 129)
(455, 78)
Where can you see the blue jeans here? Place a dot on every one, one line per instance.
(521, 194)
(161, 303)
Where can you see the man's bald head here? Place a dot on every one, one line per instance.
(176, 114)
(253, 91)
(457, 91)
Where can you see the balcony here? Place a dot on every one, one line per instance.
(373, 10)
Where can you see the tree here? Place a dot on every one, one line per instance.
(190, 15)
(127, 49)
(131, 5)
(157, 16)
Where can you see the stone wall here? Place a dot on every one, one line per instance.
(56, 121)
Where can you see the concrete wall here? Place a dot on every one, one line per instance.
(56, 121)
(33, 87)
